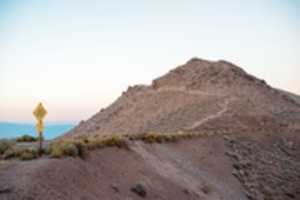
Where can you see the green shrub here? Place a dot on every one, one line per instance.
(26, 138)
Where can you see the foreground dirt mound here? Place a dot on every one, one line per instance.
(199, 95)
(190, 169)
(231, 167)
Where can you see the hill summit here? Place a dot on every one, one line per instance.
(200, 95)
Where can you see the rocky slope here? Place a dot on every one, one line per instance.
(199, 95)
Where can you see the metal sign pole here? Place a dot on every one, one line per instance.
(40, 143)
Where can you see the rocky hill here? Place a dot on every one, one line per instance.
(199, 95)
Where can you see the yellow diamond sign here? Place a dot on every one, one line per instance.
(40, 112)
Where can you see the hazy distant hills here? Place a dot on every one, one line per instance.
(11, 130)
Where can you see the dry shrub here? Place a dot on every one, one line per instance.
(115, 141)
(105, 141)
(26, 138)
(9, 153)
(79, 146)
(4, 145)
(62, 148)
(27, 154)
(151, 138)
(94, 143)
(187, 135)
(136, 136)
(159, 138)
(21, 153)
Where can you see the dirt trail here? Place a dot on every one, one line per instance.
(210, 117)
(184, 90)
(201, 93)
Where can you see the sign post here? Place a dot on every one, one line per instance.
(39, 113)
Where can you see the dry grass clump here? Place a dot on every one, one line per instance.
(81, 148)
(114, 141)
(78, 147)
(187, 135)
(6, 149)
(22, 154)
(8, 154)
(160, 138)
(104, 141)
(27, 154)
(136, 136)
(4, 145)
(166, 137)
(62, 148)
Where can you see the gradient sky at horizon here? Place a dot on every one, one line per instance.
(78, 56)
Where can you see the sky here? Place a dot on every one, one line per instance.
(78, 56)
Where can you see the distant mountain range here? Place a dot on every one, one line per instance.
(52, 130)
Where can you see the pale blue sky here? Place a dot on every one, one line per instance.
(78, 56)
